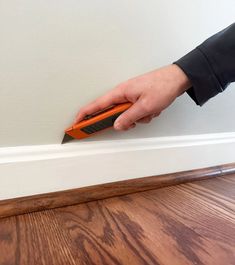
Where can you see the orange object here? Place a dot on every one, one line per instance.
(97, 122)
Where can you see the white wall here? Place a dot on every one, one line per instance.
(56, 55)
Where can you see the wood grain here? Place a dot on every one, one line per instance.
(192, 223)
(81, 195)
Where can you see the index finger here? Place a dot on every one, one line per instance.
(112, 97)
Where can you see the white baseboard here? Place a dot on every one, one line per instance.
(29, 170)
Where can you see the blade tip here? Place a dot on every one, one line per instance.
(67, 138)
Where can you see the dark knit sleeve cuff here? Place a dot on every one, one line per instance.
(205, 84)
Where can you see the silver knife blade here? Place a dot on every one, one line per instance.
(67, 138)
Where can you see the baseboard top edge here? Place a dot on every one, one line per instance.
(56, 151)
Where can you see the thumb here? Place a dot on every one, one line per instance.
(130, 116)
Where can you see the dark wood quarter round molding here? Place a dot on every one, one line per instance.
(74, 196)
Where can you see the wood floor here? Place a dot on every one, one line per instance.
(190, 223)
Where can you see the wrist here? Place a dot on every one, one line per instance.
(182, 81)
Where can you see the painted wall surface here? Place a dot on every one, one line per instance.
(57, 55)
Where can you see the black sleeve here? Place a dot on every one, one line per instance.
(210, 66)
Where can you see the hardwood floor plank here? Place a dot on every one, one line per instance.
(9, 251)
(192, 223)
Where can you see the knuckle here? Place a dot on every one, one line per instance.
(125, 123)
(147, 120)
(147, 105)
(157, 114)
(129, 120)
(121, 87)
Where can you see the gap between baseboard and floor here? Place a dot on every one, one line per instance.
(35, 170)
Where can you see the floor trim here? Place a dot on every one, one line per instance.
(53, 200)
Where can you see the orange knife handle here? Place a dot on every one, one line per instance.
(97, 122)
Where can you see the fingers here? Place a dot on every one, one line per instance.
(156, 114)
(132, 126)
(113, 97)
(130, 116)
(149, 118)
(143, 120)
(146, 119)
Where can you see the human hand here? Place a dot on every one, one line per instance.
(150, 94)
